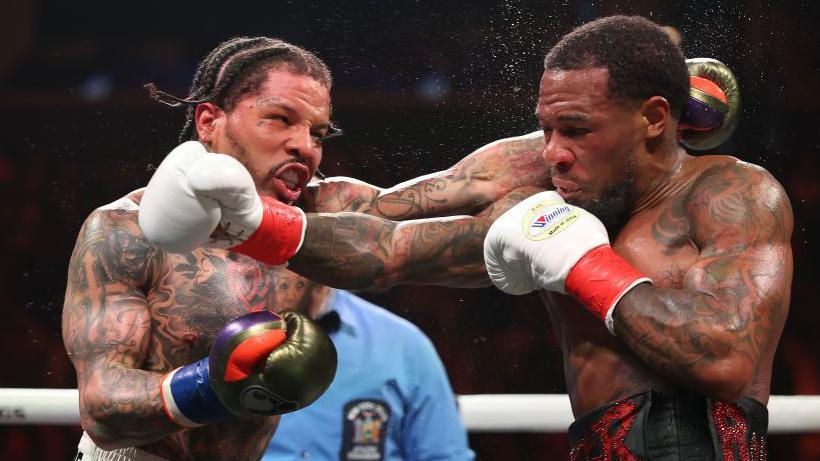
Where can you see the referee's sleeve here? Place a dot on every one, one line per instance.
(432, 426)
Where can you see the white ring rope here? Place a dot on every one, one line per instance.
(481, 412)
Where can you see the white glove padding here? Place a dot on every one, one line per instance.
(222, 179)
(193, 191)
(546, 243)
(536, 243)
(172, 215)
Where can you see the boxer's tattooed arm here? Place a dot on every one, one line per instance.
(469, 186)
(714, 333)
(356, 251)
(106, 331)
(340, 194)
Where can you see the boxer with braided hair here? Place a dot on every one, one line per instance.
(685, 258)
(235, 68)
(187, 355)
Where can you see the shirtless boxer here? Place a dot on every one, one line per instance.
(134, 314)
(679, 246)
(695, 286)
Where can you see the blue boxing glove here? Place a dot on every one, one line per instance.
(260, 364)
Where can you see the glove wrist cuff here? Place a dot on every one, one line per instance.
(600, 279)
(188, 398)
(279, 235)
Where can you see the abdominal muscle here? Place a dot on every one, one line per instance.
(597, 367)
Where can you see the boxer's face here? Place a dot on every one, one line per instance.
(591, 140)
(274, 132)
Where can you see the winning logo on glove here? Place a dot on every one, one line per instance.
(547, 218)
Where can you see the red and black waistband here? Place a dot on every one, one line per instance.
(671, 426)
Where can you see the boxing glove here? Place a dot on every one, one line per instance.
(260, 364)
(545, 243)
(710, 115)
(198, 198)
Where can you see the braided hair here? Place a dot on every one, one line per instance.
(238, 67)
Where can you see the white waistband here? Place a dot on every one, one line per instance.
(91, 452)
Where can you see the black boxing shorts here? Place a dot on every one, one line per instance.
(671, 425)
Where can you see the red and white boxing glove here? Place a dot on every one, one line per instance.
(546, 243)
(196, 198)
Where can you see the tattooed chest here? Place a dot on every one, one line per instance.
(197, 295)
(658, 243)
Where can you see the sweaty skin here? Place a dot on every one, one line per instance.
(712, 232)
(715, 242)
(714, 237)
(349, 250)
(133, 312)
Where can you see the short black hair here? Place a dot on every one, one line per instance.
(641, 58)
(238, 67)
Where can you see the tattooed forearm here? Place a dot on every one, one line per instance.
(468, 187)
(355, 251)
(473, 184)
(340, 194)
(498, 208)
(122, 407)
(696, 339)
(351, 250)
(714, 332)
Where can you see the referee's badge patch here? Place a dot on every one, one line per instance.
(365, 430)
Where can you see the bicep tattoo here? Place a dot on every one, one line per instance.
(735, 296)
(105, 315)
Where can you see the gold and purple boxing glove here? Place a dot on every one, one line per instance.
(711, 113)
(260, 364)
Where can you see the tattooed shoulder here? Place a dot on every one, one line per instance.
(735, 203)
(111, 240)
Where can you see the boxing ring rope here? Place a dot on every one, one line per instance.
(481, 412)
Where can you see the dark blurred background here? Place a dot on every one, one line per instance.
(417, 86)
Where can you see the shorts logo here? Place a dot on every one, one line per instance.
(545, 219)
(365, 430)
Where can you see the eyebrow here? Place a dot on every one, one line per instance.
(287, 108)
(573, 117)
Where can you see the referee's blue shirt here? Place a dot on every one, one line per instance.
(390, 400)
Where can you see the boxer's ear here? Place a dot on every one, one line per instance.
(657, 113)
(208, 118)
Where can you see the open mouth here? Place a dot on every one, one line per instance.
(565, 188)
(290, 180)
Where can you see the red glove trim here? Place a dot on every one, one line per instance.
(279, 235)
(250, 352)
(600, 278)
(709, 87)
